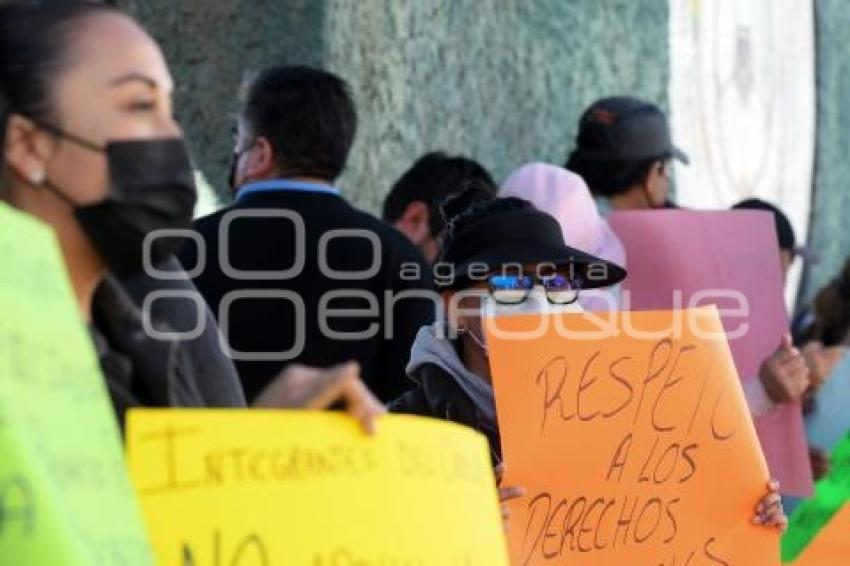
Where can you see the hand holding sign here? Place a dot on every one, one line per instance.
(769, 511)
(688, 258)
(785, 374)
(301, 387)
(627, 443)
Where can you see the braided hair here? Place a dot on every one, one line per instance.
(470, 207)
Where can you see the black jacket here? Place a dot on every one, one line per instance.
(439, 396)
(141, 371)
(178, 313)
(268, 321)
(446, 389)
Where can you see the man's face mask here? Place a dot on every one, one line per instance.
(232, 179)
(151, 188)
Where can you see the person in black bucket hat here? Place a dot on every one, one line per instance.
(520, 235)
(515, 257)
(624, 151)
(510, 256)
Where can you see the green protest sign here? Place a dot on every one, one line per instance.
(831, 493)
(65, 497)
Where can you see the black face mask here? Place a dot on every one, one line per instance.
(151, 187)
(234, 165)
(231, 178)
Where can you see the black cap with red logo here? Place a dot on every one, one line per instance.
(626, 129)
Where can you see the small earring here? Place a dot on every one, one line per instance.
(37, 177)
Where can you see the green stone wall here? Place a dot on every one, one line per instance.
(210, 46)
(830, 235)
(501, 80)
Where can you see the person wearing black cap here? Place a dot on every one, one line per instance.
(788, 249)
(623, 152)
(506, 255)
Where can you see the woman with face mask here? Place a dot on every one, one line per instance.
(91, 148)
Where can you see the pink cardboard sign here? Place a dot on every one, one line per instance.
(684, 258)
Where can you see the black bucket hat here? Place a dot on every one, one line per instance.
(523, 236)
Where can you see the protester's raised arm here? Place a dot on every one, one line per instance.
(785, 375)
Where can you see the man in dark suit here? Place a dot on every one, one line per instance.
(292, 271)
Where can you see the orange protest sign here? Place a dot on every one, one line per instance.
(832, 545)
(632, 439)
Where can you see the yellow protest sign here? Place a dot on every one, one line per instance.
(65, 497)
(632, 438)
(263, 488)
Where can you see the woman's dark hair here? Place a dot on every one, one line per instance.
(832, 310)
(607, 176)
(307, 115)
(470, 207)
(34, 37)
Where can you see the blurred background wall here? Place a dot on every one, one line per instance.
(501, 80)
(743, 106)
(830, 220)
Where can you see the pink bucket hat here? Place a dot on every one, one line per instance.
(565, 195)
